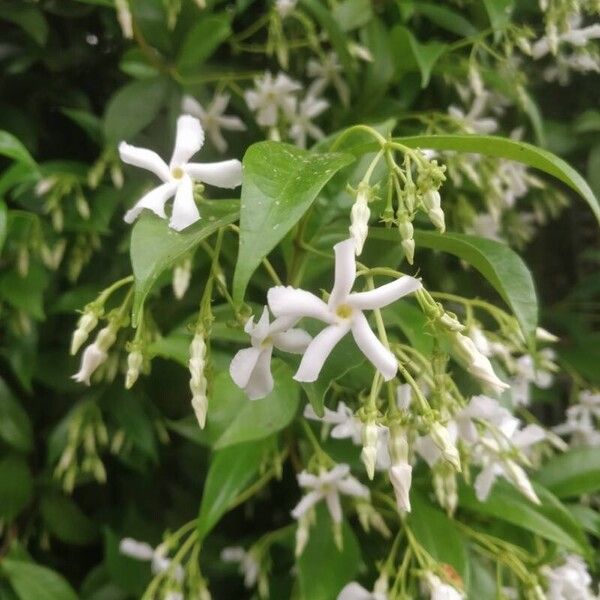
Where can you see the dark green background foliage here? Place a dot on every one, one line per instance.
(71, 87)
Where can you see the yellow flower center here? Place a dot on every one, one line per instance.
(344, 311)
(177, 172)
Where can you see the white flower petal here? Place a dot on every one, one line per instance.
(145, 159)
(232, 123)
(334, 506)
(345, 272)
(293, 340)
(185, 212)
(154, 200)
(134, 549)
(427, 449)
(286, 301)
(306, 503)
(484, 482)
(529, 435)
(224, 174)
(317, 352)
(242, 365)
(354, 591)
(352, 487)
(385, 294)
(401, 479)
(191, 106)
(381, 358)
(188, 140)
(260, 383)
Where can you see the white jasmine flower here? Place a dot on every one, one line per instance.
(343, 313)
(285, 7)
(355, 591)
(249, 566)
(473, 121)
(479, 339)
(250, 368)
(269, 95)
(487, 226)
(482, 409)
(575, 37)
(570, 581)
(301, 115)
(527, 373)
(328, 486)
(213, 118)
(440, 590)
(327, 71)
(179, 176)
(495, 454)
(581, 423)
(345, 423)
(360, 52)
(142, 551)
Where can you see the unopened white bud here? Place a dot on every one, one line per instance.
(403, 396)
(543, 335)
(43, 186)
(134, 364)
(93, 356)
(409, 250)
(198, 382)
(441, 438)
(359, 218)
(200, 406)
(116, 175)
(520, 480)
(432, 200)
(401, 479)
(86, 324)
(480, 340)
(369, 451)
(182, 274)
(83, 208)
(436, 216)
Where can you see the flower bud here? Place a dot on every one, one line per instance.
(359, 218)
(134, 364)
(441, 438)
(198, 382)
(83, 208)
(182, 274)
(520, 480)
(401, 479)
(407, 230)
(369, 451)
(86, 324)
(436, 216)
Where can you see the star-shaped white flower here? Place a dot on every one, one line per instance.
(179, 175)
(345, 424)
(328, 486)
(249, 565)
(325, 71)
(343, 313)
(250, 368)
(213, 118)
(301, 115)
(269, 95)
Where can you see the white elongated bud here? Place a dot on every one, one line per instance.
(135, 359)
(543, 335)
(182, 274)
(433, 205)
(406, 229)
(409, 250)
(359, 218)
(86, 324)
(401, 479)
(369, 451)
(95, 354)
(198, 382)
(441, 438)
(521, 481)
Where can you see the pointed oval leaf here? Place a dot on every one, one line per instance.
(280, 184)
(34, 581)
(513, 150)
(12, 148)
(155, 247)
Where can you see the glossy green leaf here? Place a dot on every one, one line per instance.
(352, 14)
(31, 581)
(512, 150)
(12, 148)
(572, 473)
(323, 569)
(16, 486)
(231, 471)
(234, 419)
(155, 247)
(280, 184)
(201, 41)
(587, 517)
(551, 520)
(65, 520)
(133, 107)
(410, 54)
(499, 12)
(15, 427)
(445, 17)
(439, 535)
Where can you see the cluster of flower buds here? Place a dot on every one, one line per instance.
(97, 352)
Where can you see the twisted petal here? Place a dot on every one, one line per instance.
(224, 174)
(306, 503)
(345, 272)
(286, 301)
(145, 159)
(332, 498)
(293, 340)
(317, 352)
(185, 212)
(260, 383)
(191, 106)
(385, 294)
(242, 365)
(352, 487)
(383, 360)
(154, 200)
(188, 140)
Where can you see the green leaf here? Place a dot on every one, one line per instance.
(3, 223)
(155, 247)
(65, 520)
(500, 265)
(133, 107)
(352, 14)
(411, 55)
(201, 41)
(499, 12)
(573, 473)
(34, 581)
(587, 517)
(280, 184)
(25, 293)
(551, 520)
(28, 17)
(231, 471)
(413, 324)
(16, 486)
(512, 150)
(15, 427)
(323, 569)
(243, 420)
(12, 148)
(445, 17)
(438, 535)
